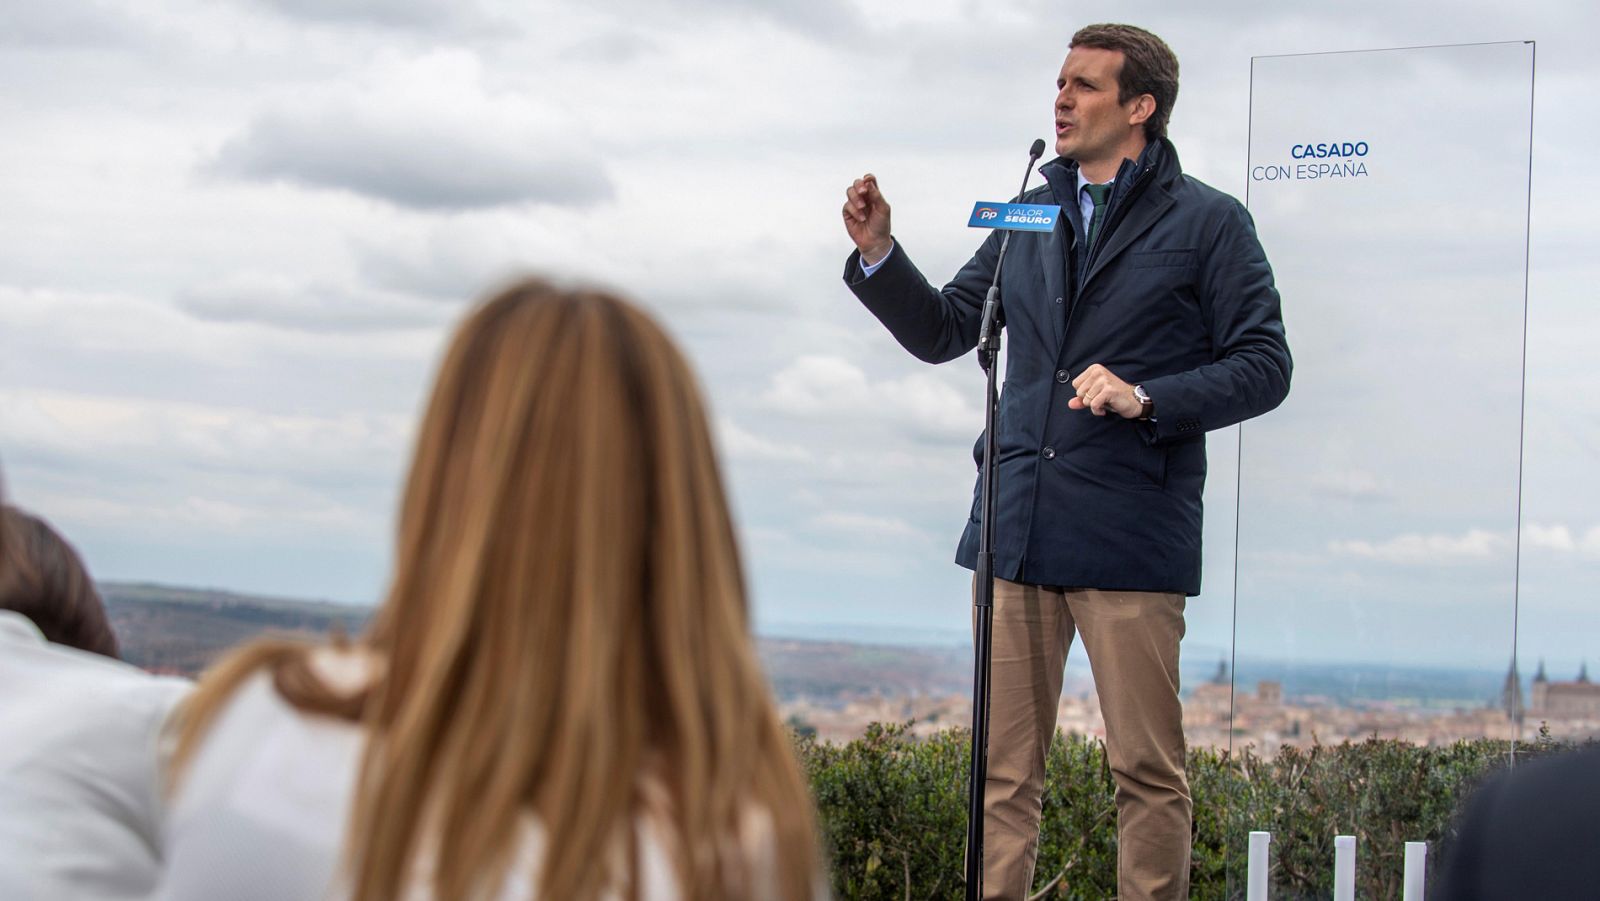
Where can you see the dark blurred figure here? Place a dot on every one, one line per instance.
(42, 578)
(80, 732)
(1530, 833)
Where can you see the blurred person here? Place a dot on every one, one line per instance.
(79, 731)
(559, 697)
(45, 581)
(1530, 832)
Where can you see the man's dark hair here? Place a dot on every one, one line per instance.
(1148, 67)
(42, 578)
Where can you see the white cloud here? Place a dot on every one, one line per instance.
(189, 513)
(1443, 548)
(424, 134)
(453, 260)
(97, 323)
(146, 483)
(126, 344)
(410, 14)
(88, 23)
(740, 444)
(817, 384)
(1351, 484)
(1564, 540)
(819, 18)
(1434, 549)
(862, 525)
(825, 386)
(280, 301)
(183, 437)
(930, 405)
(1555, 538)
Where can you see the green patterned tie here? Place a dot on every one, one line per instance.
(1099, 194)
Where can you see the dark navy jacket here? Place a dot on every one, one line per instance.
(1176, 296)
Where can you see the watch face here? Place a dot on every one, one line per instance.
(1138, 391)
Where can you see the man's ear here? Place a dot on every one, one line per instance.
(1144, 106)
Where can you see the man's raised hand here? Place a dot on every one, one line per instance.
(866, 219)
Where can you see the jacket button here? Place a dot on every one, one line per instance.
(1049, 453)
(1063, 376)
(1058, 300)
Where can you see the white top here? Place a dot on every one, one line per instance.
(261, 812)
(79, 760)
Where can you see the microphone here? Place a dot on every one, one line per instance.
(1030, 218)
(988, 334)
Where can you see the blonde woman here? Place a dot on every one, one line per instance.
(559, 698)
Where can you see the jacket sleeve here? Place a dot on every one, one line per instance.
(934, 325)
(1250, 368)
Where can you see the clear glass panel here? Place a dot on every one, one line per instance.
(1378, 507)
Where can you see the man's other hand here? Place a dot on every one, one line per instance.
(1101, 392)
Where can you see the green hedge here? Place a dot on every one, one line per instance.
(893, 813)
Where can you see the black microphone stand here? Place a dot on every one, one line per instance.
(983, 593)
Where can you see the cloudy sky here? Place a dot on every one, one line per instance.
(236, 232)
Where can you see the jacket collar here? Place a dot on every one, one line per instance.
(1158, 161)
(1141, 196)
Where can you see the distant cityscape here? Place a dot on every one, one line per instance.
(1220, 714)
(834, 689)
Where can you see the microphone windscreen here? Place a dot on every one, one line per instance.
(1038, 148)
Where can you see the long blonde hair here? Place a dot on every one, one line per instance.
(567, 625)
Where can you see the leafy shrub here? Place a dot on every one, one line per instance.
(893, 812)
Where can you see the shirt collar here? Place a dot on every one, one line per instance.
(1083, 182)
(18, 629)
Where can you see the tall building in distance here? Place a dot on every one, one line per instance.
(1511, 693)
(1575, 700)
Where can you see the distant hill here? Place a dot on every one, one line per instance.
(822, 670)
(182, 630)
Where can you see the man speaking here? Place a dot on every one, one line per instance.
(1145, 319)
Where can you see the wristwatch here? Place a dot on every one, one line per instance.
(1148, 406)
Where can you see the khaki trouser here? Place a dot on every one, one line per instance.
(1131, 638)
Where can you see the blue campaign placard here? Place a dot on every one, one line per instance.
(1027, 217)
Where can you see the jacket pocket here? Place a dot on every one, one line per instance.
(1119, 464)
(1162, 259)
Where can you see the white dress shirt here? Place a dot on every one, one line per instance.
(261, 813)
(79, 764)
(1085, 202)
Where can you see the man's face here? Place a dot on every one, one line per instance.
(1091, 125)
